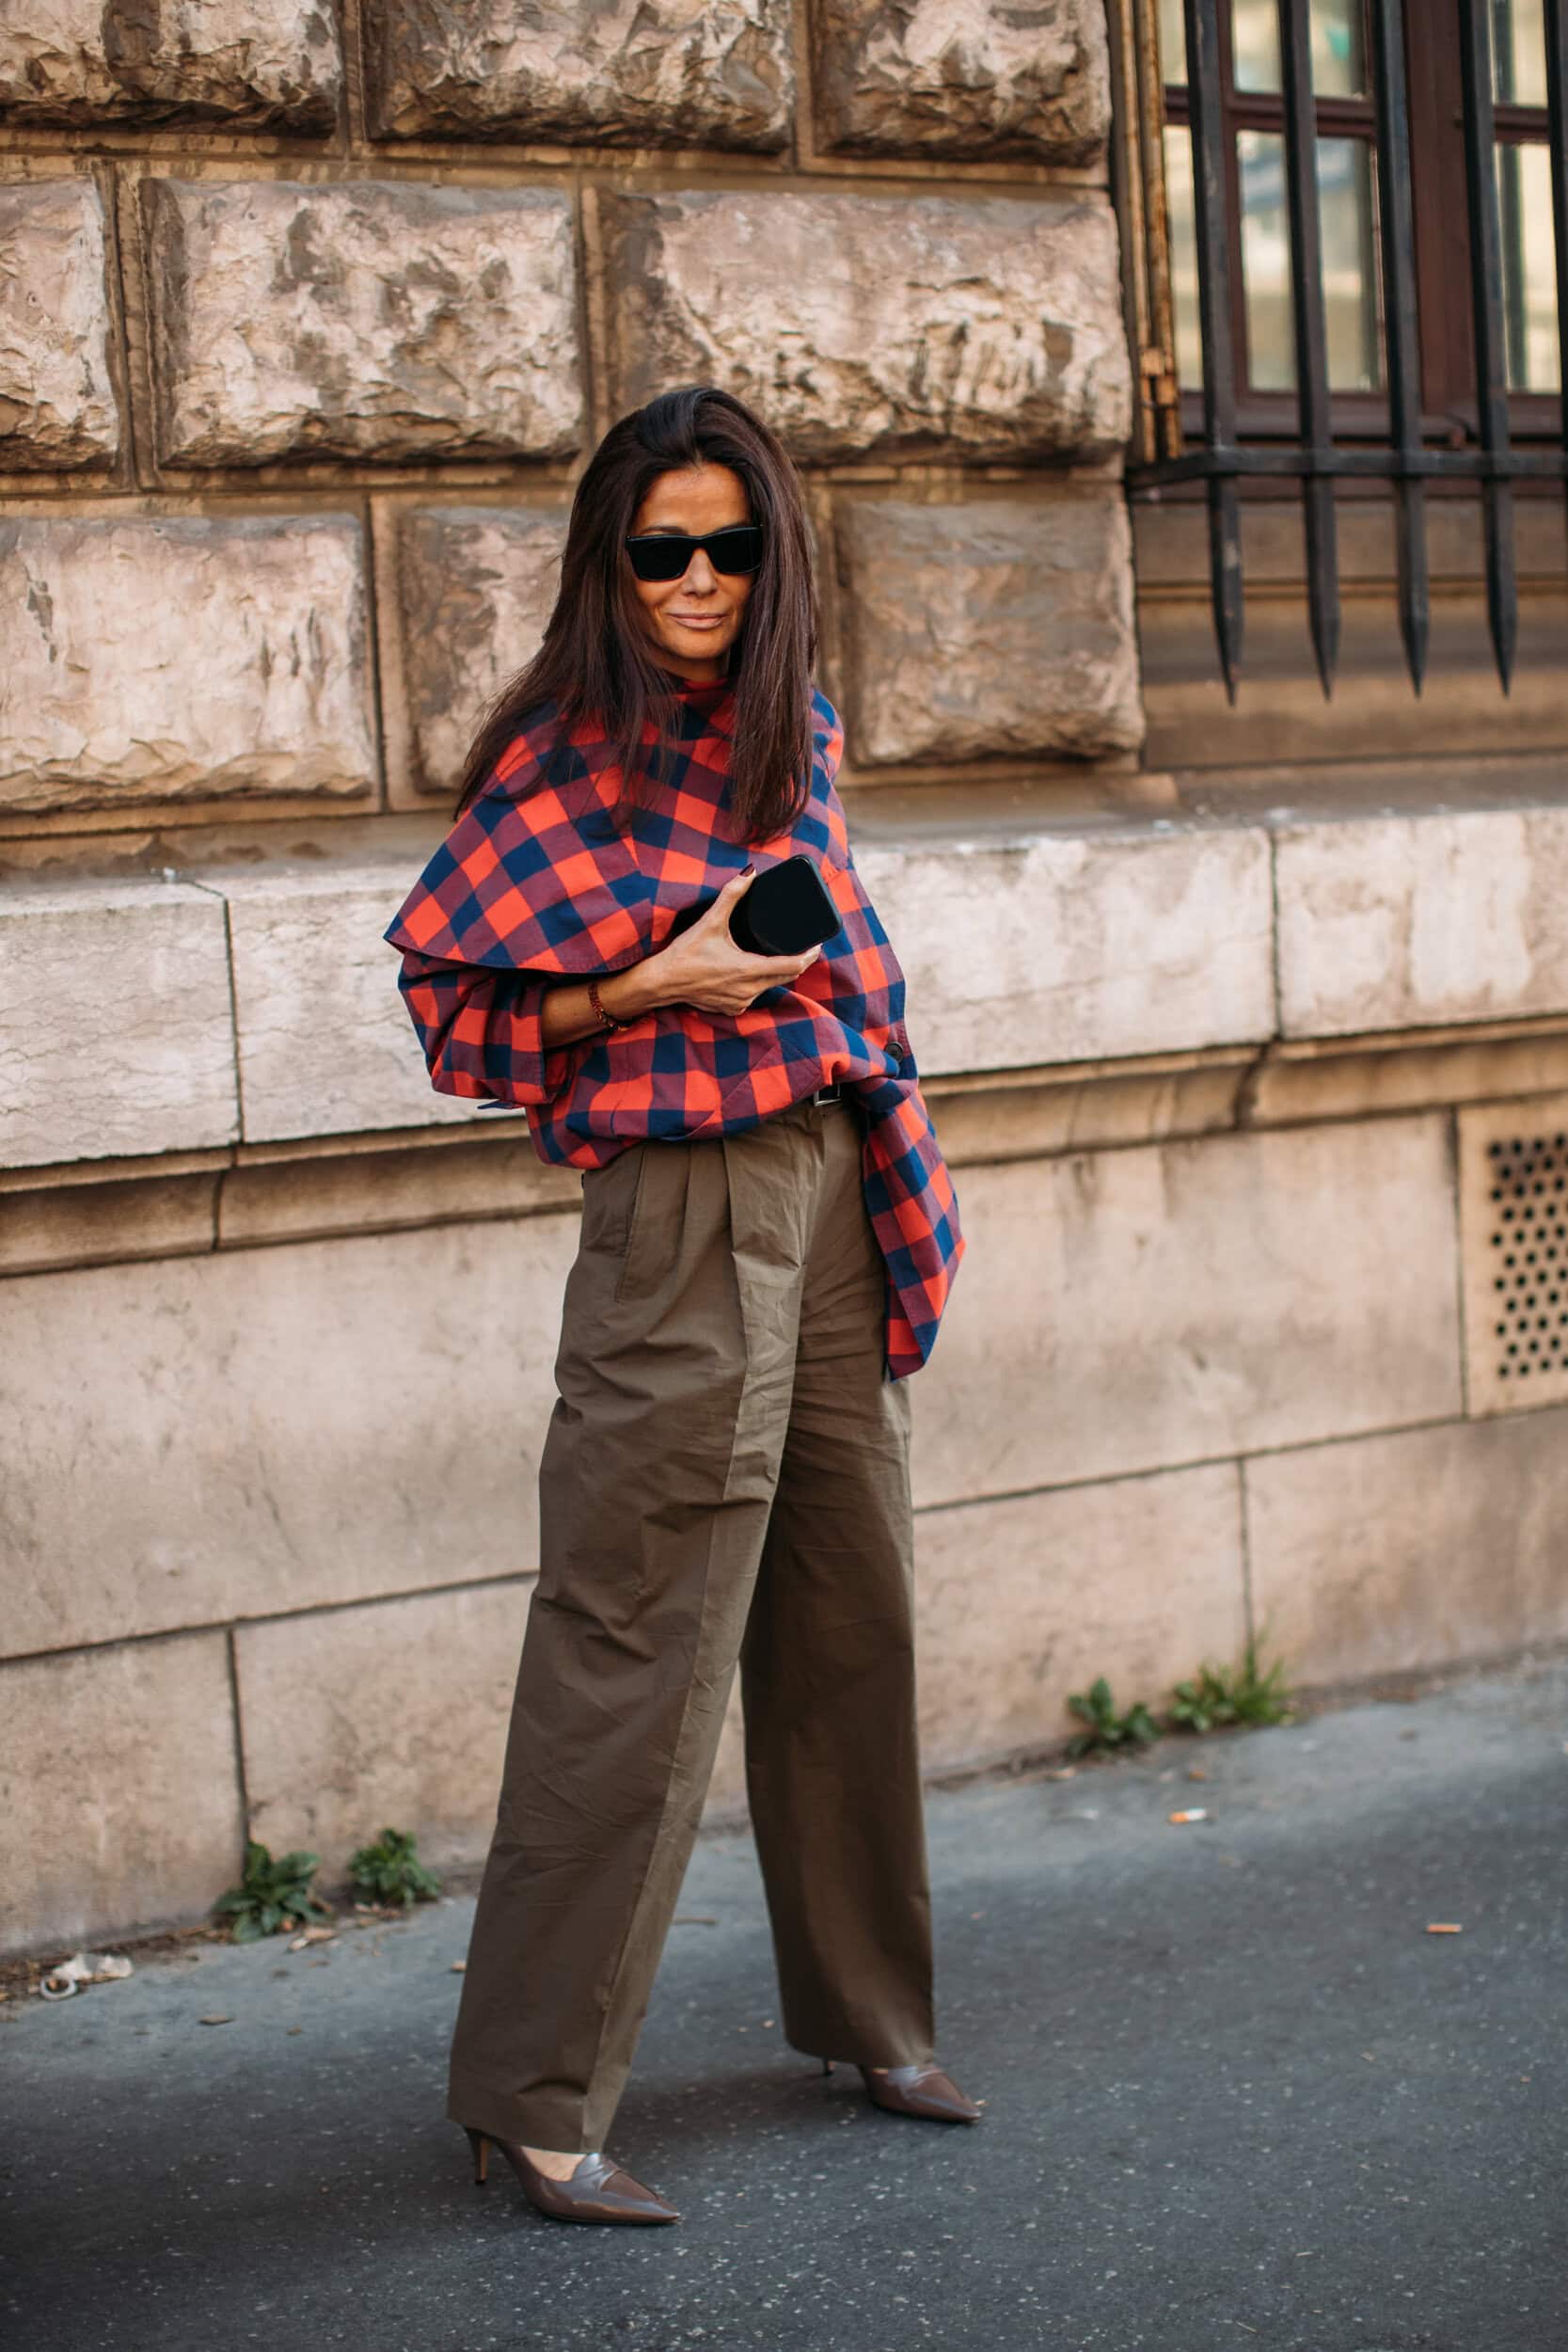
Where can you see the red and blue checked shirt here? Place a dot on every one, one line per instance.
(534, 883)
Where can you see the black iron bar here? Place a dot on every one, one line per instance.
(1213, 311)
(1311, 334)
(1487, 305)
(1377, 465)
(1399, 331)
(1556, 12)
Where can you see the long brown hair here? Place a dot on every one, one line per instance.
(595, 659)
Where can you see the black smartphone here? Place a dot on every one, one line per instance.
(787, 909)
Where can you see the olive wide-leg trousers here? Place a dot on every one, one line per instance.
(724, 1482)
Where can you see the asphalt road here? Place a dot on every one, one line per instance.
(1236, 2094)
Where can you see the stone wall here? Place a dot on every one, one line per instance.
(308, 340)
(307, 322)
(1239, 1345)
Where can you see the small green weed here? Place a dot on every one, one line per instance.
(272, 1895)
(1231, 1694)
(1107, 1730)
(390, 1871)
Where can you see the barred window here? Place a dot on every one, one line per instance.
(1350, 265)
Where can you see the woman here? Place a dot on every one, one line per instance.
(769, 1237)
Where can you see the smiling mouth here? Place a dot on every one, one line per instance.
(696, 620)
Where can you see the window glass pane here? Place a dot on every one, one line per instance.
(1338, 46)
(1346, 212)
(1183, 255)
(1518, 52)
(1266, 261)
(1529, 269)
(1255, 43)
(1338, 49)
(1173, 41)
(1345, 217)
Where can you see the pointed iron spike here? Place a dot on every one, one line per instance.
(1322, 576)
(1413, 632)
(1502, 597)
(1414, 589)
(1224, 566)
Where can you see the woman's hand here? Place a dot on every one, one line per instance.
(702, 966)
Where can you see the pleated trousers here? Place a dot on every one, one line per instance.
(724, 1483)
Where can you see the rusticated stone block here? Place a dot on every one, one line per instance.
(116, 1036)
(170, 659)
(987, 328)
(361, 321)
(1026, 1597)
(1184, 1302)
(475, 588)
(1068, 947)
(195, 1439)
(300, 941)
(120, 1802)
(57, 403)
(959, 77)
(641, 72)
(989, 629)
(250, 64)
(393, 1713)
(1399, 921)
(1417, 1548)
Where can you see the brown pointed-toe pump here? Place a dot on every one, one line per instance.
(598, 2190)
(919, 2090)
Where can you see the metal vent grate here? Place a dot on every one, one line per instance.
(1530, 1242)
(1514, 1210)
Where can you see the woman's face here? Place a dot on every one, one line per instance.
(693, 620)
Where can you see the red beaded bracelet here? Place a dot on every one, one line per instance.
(602, 1012)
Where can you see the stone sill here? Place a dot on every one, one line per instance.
(349, 1187)
(1225, 964)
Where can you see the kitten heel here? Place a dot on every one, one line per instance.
(921, 2088)
(597, 2190)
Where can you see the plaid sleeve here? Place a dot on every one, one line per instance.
(481, 1031)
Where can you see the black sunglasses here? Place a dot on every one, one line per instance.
(665, 554)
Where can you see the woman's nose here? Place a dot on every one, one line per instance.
(700, 577)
